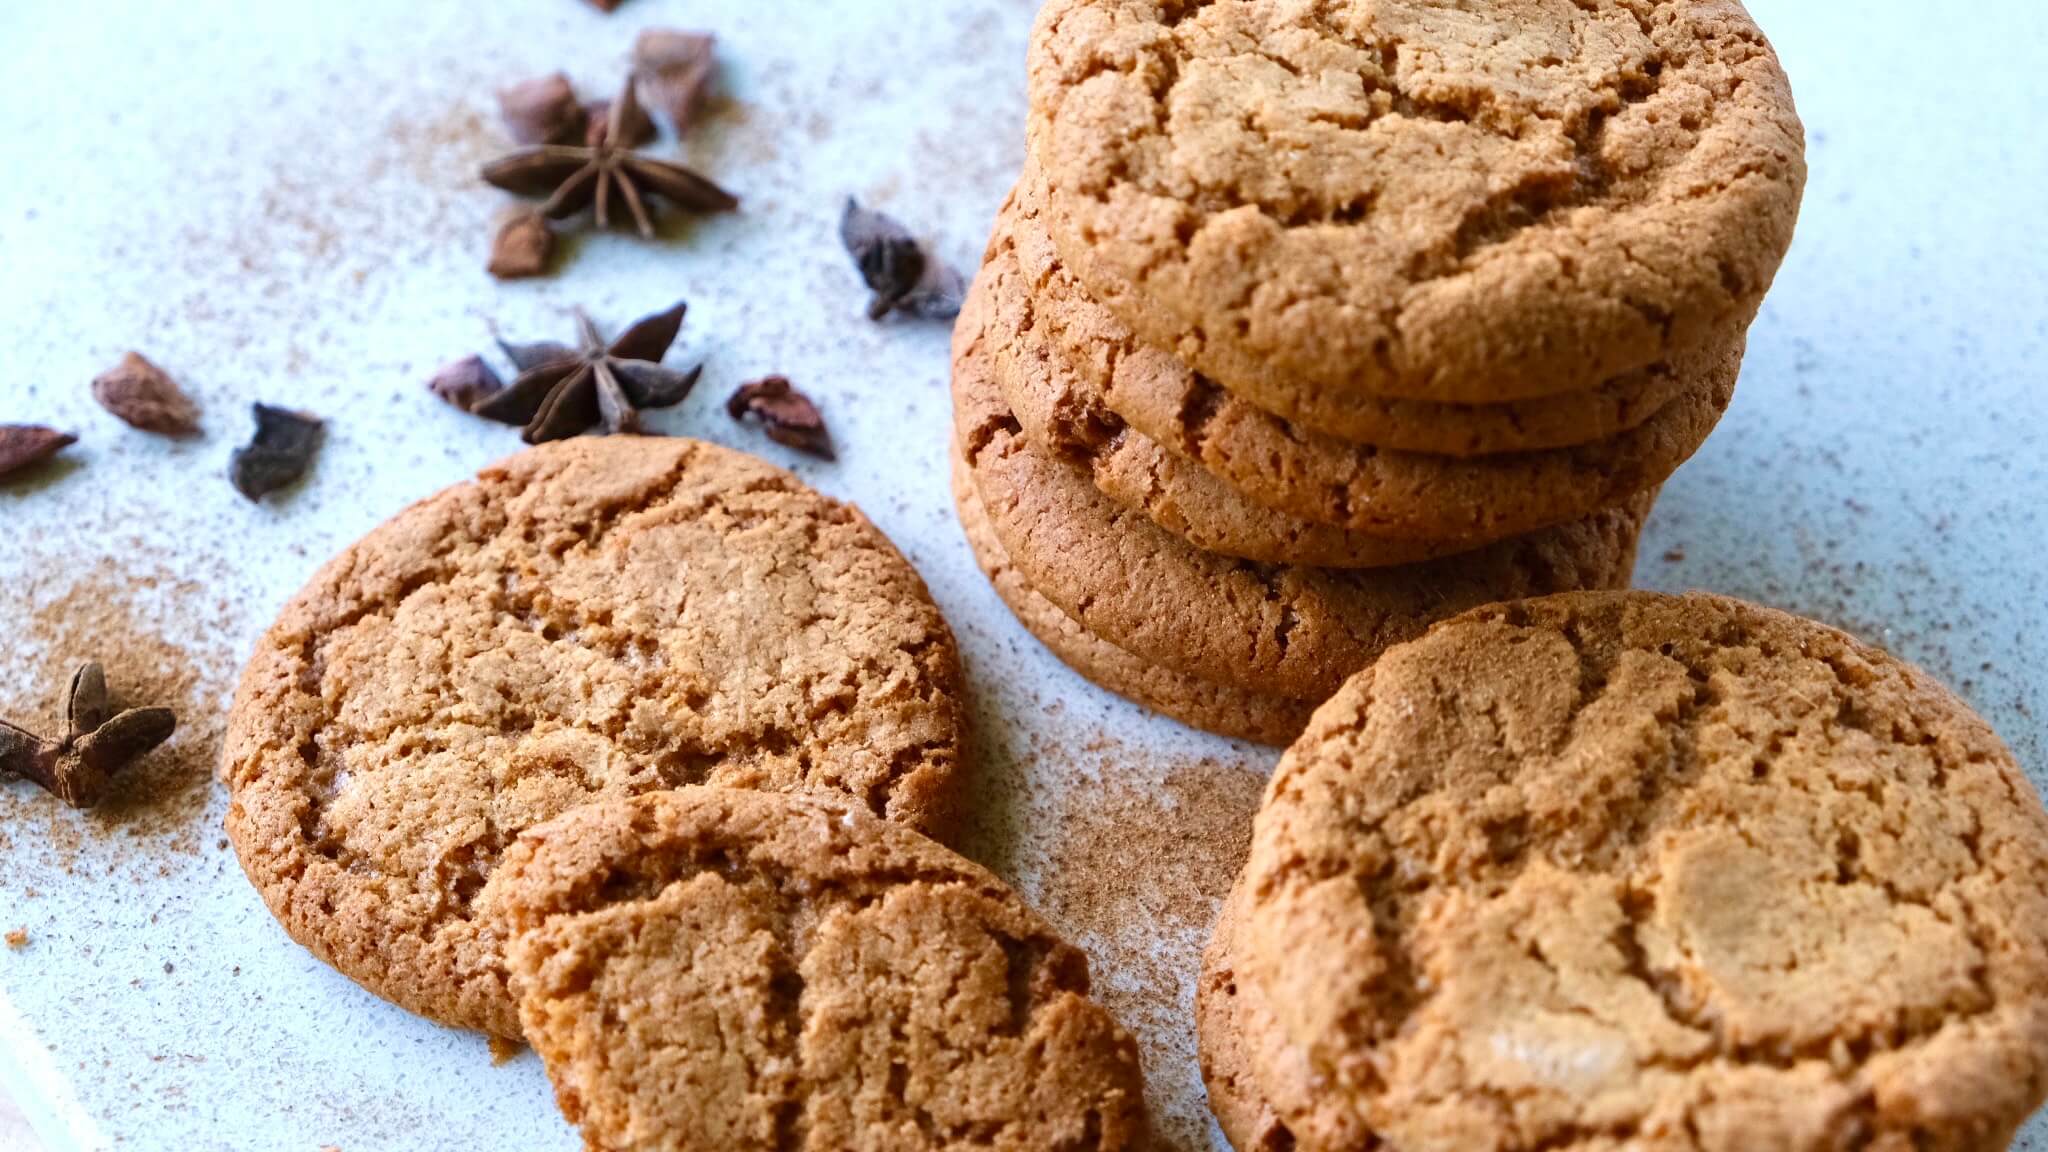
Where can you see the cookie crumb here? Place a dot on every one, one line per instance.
(504, 1051)
(18, 939)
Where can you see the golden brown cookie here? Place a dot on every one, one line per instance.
(1238, 1038)
(715, 969)
(593, 618)
(1362, 488)
(1220, 708)
(1467, 204)
(1066, 418)
(1182, 407)
(1641, 871)
(1279, 630)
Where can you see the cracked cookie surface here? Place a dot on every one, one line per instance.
(1272, 629)
(1068, 420)
(1403, 198)
(1243, 482)
(1220, 708)
(1363, 492)
(593, 618)
(1175, 405)
(711, 969)
(1628, 870)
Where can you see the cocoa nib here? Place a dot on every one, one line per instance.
(543, 110)
(899, 271)
(23, 446)
(788, 416)
(523, 247)
(278, 455)
(98, 742)
(466, 383)
(144, 396)
(674, 68)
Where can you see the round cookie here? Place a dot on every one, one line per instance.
(1239, 1039)
(1472, 204)
(713, 968)
(1227, 711)
(592, 618)
(1630, 870)
(1364, 488)
(1284, 630)
(1067, 419)
(1132, 375)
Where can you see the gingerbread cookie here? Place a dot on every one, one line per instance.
(1629, 870)
(1455, 204)
(710, 968)
(1220, 708)
(1067, 420)
(1239, 1038)
(1290, 631)
(1131, 376)
(593, 618)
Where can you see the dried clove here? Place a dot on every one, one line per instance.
(278, 455)
(543, 110)
(144, 396)
(23, 446)
(897, 269)
(523, 247)
(674, 69)
(788, 416)
(466, 383)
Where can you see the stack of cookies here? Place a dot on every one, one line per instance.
(1309, 325)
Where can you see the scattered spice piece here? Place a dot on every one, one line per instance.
(543, 110)
(637, 131)
(466, 383)
(1675, 556)
(23, 446)
(674, 68)
(97, 743)
(278, 455)
(524, 247)
(562, 391)
(897, 269)
(605, 5)
(569, 179)
(144, 396)
(787, 415)
(17, 939)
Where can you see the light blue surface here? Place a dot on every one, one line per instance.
(277, 201)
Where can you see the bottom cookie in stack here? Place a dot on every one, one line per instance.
(1219, 708)
(1145, 614)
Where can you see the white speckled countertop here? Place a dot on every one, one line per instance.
(277, 201)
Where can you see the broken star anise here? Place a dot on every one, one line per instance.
(570, 178)
(562, 391)
(97, 743)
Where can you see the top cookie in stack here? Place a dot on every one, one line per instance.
(1414, 291)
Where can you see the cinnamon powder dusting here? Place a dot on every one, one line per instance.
(1138, 865)
(155, 636)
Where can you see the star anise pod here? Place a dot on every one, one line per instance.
(97, 743)
(562, 391)
(570, 178)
